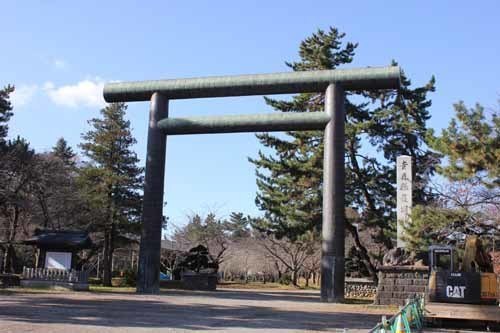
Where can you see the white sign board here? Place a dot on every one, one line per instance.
(404, 195)
(60, 260)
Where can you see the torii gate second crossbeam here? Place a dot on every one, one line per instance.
(333, 82)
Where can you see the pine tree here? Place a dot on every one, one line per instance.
(112, 179)
(472, 145)
(468, 200)
(237, 225)
(64, 152)
(389, 123)
(289, 181)
(5, 112)
(396, 126)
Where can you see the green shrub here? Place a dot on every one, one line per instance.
(286, 279)
(130, 278)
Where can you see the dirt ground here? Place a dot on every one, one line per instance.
(178, 311)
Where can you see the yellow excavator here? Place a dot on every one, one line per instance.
(471, 281)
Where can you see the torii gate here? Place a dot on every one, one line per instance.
(332, 82)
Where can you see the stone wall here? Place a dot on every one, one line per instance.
(199, 281)
(398, 283)
(360, 288)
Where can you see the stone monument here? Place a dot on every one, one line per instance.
(399, 277)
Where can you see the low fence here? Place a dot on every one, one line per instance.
(360, 288)
(54, 274)
(411, 316)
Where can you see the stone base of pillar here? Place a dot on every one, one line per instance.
(398, 283)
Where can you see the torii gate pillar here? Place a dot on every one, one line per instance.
(152, 208)
(333, 234)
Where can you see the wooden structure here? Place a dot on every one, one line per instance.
(56, 264)
(58, 248)
(54, 274)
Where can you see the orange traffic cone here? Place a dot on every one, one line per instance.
(400, 326)
(409, 315)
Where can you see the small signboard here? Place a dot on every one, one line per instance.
(59, 260)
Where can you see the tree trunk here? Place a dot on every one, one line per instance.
(365, 258)
(2, 252)
(45, 211)
(278, 269)
(108, 255)
(294, 278)
(9, 258)
(5, 260)
(106, 265)
(370, 201)
(308, 276)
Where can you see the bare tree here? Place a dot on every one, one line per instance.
(36, 191)
(17, 177)
(312, 266)
(292, 254)
(208, 231)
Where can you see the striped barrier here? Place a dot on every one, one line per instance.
(409, 317)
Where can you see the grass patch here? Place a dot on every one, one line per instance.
(41, 290)
(103, 289)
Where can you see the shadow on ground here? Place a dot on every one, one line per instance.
(208, 311)
(309, 296)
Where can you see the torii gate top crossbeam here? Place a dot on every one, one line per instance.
(370, 78)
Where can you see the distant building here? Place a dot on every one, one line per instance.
(57, 248)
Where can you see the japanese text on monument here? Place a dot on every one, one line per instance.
(404, 195)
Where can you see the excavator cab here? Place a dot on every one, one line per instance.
(442, 258)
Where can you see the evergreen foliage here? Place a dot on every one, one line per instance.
(472, 145)
(289, 181)
(5, 112)
(64, 152)
(237, 225)
(470, 199)
(111, 180)
(378, 129)
(433, 225)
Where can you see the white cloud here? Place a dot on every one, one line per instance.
(83, 93)
(23, 94)
(48, 86)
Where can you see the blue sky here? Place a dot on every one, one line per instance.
(59, 54)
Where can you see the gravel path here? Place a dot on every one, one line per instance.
(178, 311)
